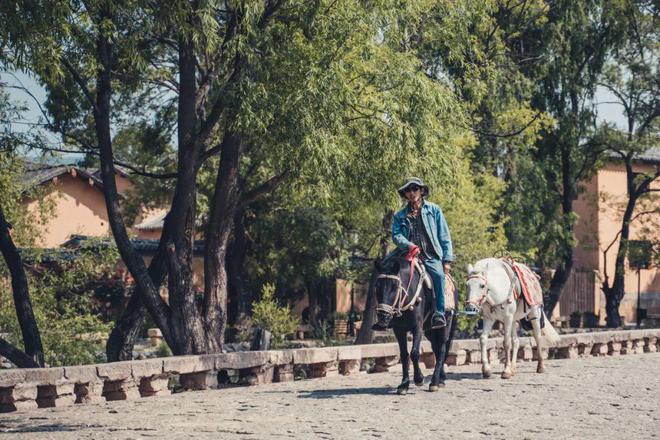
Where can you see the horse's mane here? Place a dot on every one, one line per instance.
(482, 266)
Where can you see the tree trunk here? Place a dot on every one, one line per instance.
(240, 298)
(224, 206)
(612, 303)
(313, 309)
(366, 334)
(131, 258)
(16, 356)
(29, 329)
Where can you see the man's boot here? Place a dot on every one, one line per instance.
(438, 320)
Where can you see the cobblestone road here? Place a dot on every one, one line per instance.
(588, 398)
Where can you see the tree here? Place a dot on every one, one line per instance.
(633, 79)
(262, 94)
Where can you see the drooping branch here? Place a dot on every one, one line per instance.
(16, 355)
(264, 188)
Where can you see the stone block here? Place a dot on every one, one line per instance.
(370, 351)
(22, 396)
(201, 380)
(535, 353)
(88, 392)
(123, 389)
(324, 369)
(81, 374)
(244, 359)
(568, 352)
(283, 373)
(613, 348)
(525, 353)
(49, 396)
(258, 375)
(146, 368)
(315, 355)
(12, 377)
(155, 336)
(44, 376)
(428, 359)
(456, 358)
(474, 356)
(349, 366)
(599, 349)
(650, 344)
(115, 371)
(584, 349)
(189, 364)
(626, 347)
(349, 352)
(154, 385)
(280, 357)
(638, 346)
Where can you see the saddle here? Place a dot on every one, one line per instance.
(525, 282)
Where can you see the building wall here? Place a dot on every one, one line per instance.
(600, 208)
(79, 208)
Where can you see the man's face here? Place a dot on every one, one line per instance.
(413, 193)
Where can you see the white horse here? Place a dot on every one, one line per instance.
(490, 290)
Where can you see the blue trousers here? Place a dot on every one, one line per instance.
(437, 273)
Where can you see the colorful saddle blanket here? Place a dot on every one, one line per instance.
(450, 293)
(529, 284)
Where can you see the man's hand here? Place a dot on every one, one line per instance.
(413, 251)
(446, 267)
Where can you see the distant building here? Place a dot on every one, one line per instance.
(598, 225)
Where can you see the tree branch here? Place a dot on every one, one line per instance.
(15, 355)
(81, 83)
(264, 188)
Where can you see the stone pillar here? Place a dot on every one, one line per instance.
(122, 389)
(651, 344)
(599, 349)
(89, 392)
(638, 346)
(257, 375)
(383, 364)
(155, 385)
(613, 348)
(283, 373)
(627, 347)
(324, 369)
(349, 366)
(201, 380)
(22, 396)
(474, 356)
(458, 358)
(525, 353)
(62, 394)
(428, 359)
(569, 352)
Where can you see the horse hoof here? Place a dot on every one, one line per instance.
(433, 388)
(540, 369)
(402, 391)
(506, 375)
(486, 374)
(419, 381)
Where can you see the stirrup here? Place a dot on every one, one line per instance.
(438, 321)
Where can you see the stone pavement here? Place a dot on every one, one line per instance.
(610, 397)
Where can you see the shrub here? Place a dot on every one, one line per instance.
(268, 314)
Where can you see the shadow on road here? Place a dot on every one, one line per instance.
(337, 392)
(55, 427)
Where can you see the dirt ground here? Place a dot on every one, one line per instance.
(588, 398)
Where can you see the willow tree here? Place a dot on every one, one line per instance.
(263, 92)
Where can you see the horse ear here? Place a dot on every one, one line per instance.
(470, 268)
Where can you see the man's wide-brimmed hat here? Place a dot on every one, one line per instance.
(414, 181)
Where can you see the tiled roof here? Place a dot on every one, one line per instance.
(143, 246)
(38, 174)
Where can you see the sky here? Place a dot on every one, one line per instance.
(607, 110)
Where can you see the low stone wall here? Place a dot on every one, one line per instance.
(23, 389)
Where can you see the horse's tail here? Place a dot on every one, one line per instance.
(549, 333)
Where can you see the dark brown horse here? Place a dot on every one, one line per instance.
(405, 304)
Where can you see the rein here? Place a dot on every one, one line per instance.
(399, 304)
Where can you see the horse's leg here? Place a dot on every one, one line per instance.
(536, 330)
(438, 344)
(415, 355)
(483, 342)
(516, 346)
(401, 338)
(508, 323)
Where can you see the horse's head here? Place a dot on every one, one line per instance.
(388, 288)
(485, 283)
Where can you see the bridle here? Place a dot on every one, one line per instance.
(485, 295)
(399, 304)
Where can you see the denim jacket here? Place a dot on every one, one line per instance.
(436, 227)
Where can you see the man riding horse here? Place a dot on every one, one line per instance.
(420, 229)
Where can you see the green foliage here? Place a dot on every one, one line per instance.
(163, 350)
(268, 314)
(62, 292)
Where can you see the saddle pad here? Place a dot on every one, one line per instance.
(529, 283)
(450, 293)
